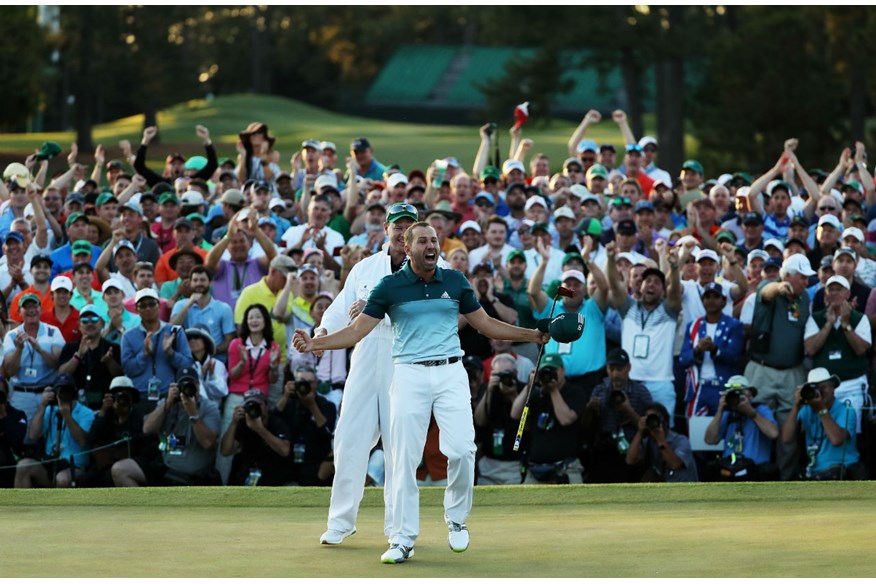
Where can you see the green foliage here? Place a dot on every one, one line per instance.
(22, 54)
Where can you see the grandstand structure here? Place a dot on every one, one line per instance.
(436, 79)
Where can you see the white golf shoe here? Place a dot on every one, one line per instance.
(335, 537)
(457, 536)
(396, 554)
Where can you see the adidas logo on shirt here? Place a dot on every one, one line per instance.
(445, 295)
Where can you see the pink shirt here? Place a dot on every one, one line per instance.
(255, 369)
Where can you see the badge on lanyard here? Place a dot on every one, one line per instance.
(641, 346)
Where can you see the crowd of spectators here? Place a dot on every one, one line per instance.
(147, 314)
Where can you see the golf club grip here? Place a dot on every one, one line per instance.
(520, 428)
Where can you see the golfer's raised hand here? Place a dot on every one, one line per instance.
(302, 341)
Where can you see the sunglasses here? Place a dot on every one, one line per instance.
(147, 304)
(634, 148)
(618, 201)
(90, 319)
(828, 208)
(402, 208)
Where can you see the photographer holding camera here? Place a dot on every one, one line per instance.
(13, 428)
(498, 464)
(116, 420)
(187, 427)
(258, 440)
(829, 429)
(63, 423)
(667, 456)
(554, 442)
(612, 416)
(311, 422)
(748, 430)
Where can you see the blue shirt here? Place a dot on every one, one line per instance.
(424, 315)
(588, 353)
(141, 367)
(746, 438)
(62, 258)
(69, 446)
(217, 317)
(34, 371)
(817, 442)
(775, 228)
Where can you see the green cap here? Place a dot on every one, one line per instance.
(397, 211)
(74, 217)
(744, 176)
(567, 328)
(48, 150)
(572, 255)
(168, 198)
(516, 254)
(543, 226)
(693, 165)
(491, 172)
(80, 246)
(552, 360)
(853, 184)
(589, 226)
(27, 298)
(725, 235)
(597, 170)
(196, 217)
(105, 197)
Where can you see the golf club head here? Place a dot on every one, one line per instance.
(563, 291)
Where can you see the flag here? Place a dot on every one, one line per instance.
(521, 114)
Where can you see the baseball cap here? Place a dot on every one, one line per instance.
(799, 220)
(643, 206)
(41, 257)
(311, 144)
(146, 293)
(397, 211)
(725, 235)
(104, 198)
(838, 280)
(17, 172)
(777, 184)
(277, 202)
(581, 192)
(183, 222)
(14, 236)
(483, 266)
(552, 360)
(111, 283)
(773, 242)
(535, 200)
(90, 309)
(826, 262)
(848, 232)
(845, 251)
(232, 197)
(396, 179)
(740, 382)
(360, 144)
(647, 141)
(191, 199)
(539, 227)
(516, 255)
(470, 225)
(589, 226)
(706, 254)
(81, 246)
(773, 263)
(490, 172)
(62, 283)
(326, 145)
(564, 212)
(28, 298)
(510, 165)
(573, 161)
(572, 255)
(712, 287)
(830, 220)
(168, 198)
(799, 264)
(626, 227)
(587, 146)
(285, 263)
(132, 206)
(752, 218)
(757, 253)
(607, 147)
(567, 327)
(617, 356)
(267, 221)
(187, 374)
(74, 217)
(75, 197)
(597, 170)
(325, 180)
(575, 275)
(855, 185)
(693, 165)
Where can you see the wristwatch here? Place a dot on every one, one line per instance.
(194, 419)
(848, 327)
(823, 412)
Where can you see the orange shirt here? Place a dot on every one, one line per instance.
(46, 302)
(163, 271)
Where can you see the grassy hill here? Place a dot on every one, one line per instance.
(411, 145)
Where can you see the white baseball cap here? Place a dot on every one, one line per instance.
(838, 280)
(111, 283)
(647, 141)
(799, 264)
(757, 253)
(535, 200)
(470, 225)
(830, 220)
(191, 198)
(62, 283)
(510, 165)
(574, 274)
(564, 212)
(325, 180)
(773, 242)
(145, 293)
(706, 254)
(854, 232)
(396, 179)
(580, 191)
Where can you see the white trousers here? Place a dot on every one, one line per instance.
(852, 391)
(364, 417)
(417, 393)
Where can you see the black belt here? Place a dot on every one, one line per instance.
(30, 388)
(765, 364)
(437, 362)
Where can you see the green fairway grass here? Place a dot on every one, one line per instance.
(411, 145)
(689, 530)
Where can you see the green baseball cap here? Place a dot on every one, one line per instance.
(80, 246)
(168, 198)
(572, 255)
(597, 170)
(552, 360)
(491, 172)
(725, 235)
(105, 197)
(589, 226)
(398, 210)
(516, 254)
(27, 298)
(567, 327)
(693, 165)
(74, 217)
(543, 226)
(197, 217)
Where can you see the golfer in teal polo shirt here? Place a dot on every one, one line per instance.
(424, 302)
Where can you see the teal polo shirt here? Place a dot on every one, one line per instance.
(587, 354)
(424, 315)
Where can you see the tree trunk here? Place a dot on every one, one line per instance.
(670, 98)
(84, 83)
(150, 118)
(857, 101)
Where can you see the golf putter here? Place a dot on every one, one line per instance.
(543, 326)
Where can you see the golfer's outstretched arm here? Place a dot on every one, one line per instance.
(346, 337)
(496, 329)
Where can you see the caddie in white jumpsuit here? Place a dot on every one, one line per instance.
(423, 302)
(365, 407)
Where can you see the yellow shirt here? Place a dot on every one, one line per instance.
(259, 293)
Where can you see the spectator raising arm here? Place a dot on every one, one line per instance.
(864, 174)
(352, 206)
(99, 158)
(483, 155)
(513, 147)
(620, 118)
(755, 197)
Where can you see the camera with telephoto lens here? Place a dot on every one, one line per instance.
(547, 375)
(253, 409)
(616, 397)
(188, 389)
(63, 394)
(302, 387)
(732, 397)
(809, 392)
(653, 422)
(507, 378)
